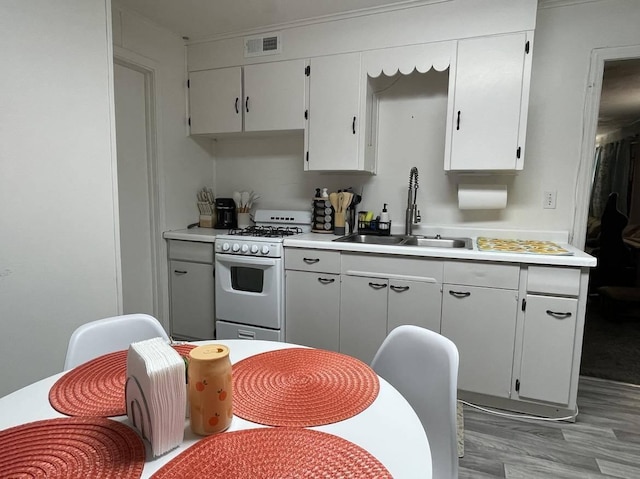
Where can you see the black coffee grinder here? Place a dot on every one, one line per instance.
(226, 216)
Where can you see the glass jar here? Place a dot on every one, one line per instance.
(210, 389)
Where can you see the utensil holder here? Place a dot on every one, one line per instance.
(323, 216)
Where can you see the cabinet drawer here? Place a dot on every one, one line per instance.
(312, 260)
(391, 266)
(492, 275)
(557, 281)
(191, 251)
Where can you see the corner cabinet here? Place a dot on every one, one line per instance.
(488, 103)
(334, 137)
(254, 98)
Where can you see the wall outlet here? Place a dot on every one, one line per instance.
(549, 200)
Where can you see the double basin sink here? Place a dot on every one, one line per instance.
(404, 240)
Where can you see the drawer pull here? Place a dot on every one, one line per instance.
(459, 294)
(399, 289)
(179, 271)
(311, 260)
(377, 285)
(326, 280)
(558, 315)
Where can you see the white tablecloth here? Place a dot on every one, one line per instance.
(389, 429)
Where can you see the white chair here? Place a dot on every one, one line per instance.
(423, 367)
(110, 334)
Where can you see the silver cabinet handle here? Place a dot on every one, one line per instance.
(377, 285)
(558, 315)
(399, 289)
(326, 280)
(311, 260)
(180, 271)
(459, 294)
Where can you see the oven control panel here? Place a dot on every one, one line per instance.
(248, 247)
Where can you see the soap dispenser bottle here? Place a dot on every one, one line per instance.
(385, 222)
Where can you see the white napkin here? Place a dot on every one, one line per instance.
(155, 393)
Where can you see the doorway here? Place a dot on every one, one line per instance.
(611, 344)
(137, 193)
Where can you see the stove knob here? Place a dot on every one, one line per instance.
(245, 248)
(254, 249)
(265, 249)
(225, 247)
(236, 247)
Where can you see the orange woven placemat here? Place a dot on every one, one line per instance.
(71, 447)
(302, 387)
(96, 388)
(268, 453)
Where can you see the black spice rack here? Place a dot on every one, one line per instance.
(374, 227)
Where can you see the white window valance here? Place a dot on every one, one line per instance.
(408, 59)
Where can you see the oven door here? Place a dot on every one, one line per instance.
(250, 290)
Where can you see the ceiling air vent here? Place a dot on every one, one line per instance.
(258, 45)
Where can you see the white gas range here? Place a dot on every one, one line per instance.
(249, 279)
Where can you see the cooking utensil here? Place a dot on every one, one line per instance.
(333, 199)
(237, 199)
(244, 201)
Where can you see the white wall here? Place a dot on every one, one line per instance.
(57, 217)
(185, 163)
(564, 38)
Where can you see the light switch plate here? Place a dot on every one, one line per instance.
(549, 200)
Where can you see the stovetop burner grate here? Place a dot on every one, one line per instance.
(266, 231)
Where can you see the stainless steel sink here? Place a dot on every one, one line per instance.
(371, 239)
(402, 240)
(438, 242)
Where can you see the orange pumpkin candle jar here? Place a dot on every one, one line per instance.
(210, 389)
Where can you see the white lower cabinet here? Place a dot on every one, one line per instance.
(547, 355)
(482, 324)
(363, 316)
(313, 309)
(479, 309)
(312, 298)
(377, 296)
(191, 284)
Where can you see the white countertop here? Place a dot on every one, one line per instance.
(325, 241)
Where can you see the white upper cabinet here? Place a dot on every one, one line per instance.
(334, 128)
(215, 101)
(274, 96)
(488, 103)
(253, 98)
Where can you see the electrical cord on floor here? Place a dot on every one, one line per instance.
(520, 416)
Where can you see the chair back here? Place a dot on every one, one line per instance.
(423, 367)
(107, 335)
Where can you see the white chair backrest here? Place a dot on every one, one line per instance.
(110, 334)
(423, 367)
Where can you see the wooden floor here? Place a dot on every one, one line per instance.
(603, 442)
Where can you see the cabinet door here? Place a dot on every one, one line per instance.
(313, 309)
(363, 316)
(547, 348)
(414, 302)
(215, 101)
(274, 96)
(482, 324)
(488, 97)
(192, 301)
(333, 126)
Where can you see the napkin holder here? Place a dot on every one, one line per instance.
(160, 422)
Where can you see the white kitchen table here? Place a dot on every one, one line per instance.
(389, 428)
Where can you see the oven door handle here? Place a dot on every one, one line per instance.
(245, 260)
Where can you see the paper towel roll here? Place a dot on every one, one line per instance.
(482, 197)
